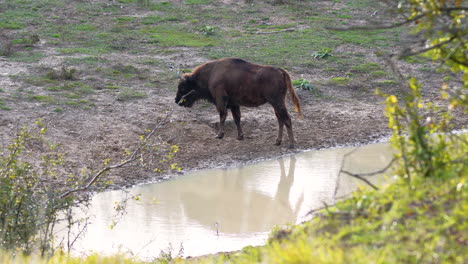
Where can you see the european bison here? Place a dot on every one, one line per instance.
(230, 83)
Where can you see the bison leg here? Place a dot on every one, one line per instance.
(221, 105)
(222, 119)
(284, 119)
(236, 114)
(280, 131)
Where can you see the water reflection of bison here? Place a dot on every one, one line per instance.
(231, 83)
(239, 205)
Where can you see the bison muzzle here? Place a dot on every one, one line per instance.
(231, 83)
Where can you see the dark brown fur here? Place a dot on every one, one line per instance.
(231, 83)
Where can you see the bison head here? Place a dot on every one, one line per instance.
(187, 93)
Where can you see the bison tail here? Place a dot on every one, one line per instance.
(292, 93)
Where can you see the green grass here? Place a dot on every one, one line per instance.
(174, 35)
(87, 60)
(198, 2)
(44, 99)
(161, 6)
(27, 56)
(96, 34)
(340, 81)
(4, 106)
(376, 38)
(151, 62)
(387, 83)
(11, 25)
(37, 80)
(87, 51)
(285, 48)
(127, 93)
(64, 93)
(366, 67)
(85, 27)
(379, 73)
(416, 59)
(124, 19)
(151, 20)
(64, 99)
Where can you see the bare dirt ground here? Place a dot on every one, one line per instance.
(341, 115)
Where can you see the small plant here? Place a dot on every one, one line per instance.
(62, 74)
(207, 30)
(305, 85)
(322, 54)
(302, 84)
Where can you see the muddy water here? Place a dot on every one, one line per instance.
(226, 209)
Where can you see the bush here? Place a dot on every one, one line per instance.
(30, 200)
(425, 144)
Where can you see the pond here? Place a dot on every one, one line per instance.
(218, 210)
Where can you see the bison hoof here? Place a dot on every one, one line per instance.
(220, 136)
(278, 142)
(291, 145)
(240, 137)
